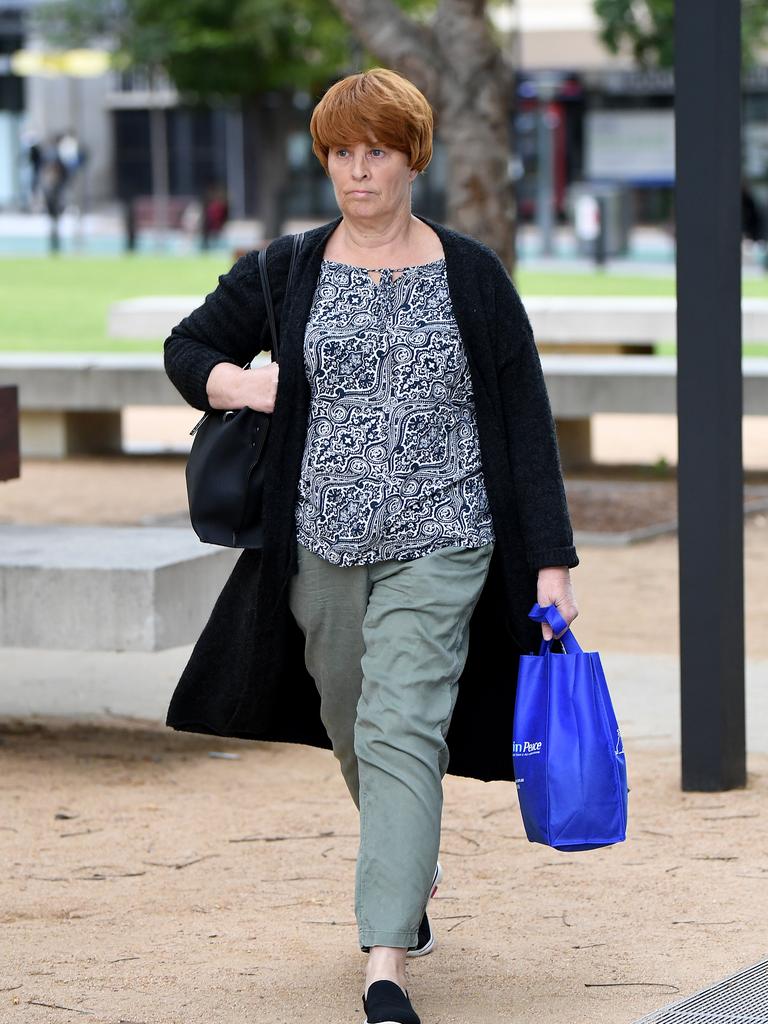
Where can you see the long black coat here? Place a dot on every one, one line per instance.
(246, 675)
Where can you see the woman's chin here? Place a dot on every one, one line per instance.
(360, 207)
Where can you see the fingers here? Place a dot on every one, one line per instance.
(567, 609)
(261, 393)
(569, 614)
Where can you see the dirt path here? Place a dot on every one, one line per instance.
(147, 882)
(176, 888)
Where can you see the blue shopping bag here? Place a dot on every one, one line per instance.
(568, 757)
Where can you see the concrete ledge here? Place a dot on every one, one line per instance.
(90, 381)
(148, 318)
(81, 381)
(580, 386)
(623, 319)
(106, 588)
(56, 390)
(554, 318)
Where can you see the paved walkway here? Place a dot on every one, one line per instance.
(645, 689)
(100, 231)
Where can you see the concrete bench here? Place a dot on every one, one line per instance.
(573, 321)
(92, 588)
(150, 318)
(73, 403)
(582, 386)
(622, 320)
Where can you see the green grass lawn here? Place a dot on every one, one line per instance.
(537, 282)
(60, 305)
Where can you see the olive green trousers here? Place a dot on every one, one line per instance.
(386, 644)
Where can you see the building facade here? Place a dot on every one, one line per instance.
(604, 120)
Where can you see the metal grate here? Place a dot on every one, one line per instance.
(739, 999)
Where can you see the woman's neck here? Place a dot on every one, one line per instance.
(401, 243)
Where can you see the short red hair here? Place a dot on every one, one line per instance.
(374, 106)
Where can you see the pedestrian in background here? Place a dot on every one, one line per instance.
(59, 161)
(215, 214)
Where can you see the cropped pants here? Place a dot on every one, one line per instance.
(386, 644)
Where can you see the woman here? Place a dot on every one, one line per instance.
(413, 489)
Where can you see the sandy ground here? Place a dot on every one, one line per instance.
(148, 882)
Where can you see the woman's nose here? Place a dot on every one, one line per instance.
(359, 168)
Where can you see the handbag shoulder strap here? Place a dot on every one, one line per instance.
(297, 241)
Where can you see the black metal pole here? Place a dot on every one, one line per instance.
(709, 393)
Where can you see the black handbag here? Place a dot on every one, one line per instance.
(225, 468)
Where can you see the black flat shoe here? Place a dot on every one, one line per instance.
(386, 1003)
(427, 940)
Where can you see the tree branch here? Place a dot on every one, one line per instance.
(400, 42)
(466, 43)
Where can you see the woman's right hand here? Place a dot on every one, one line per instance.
(230, 387)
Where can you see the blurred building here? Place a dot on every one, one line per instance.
(11, 102)
(111, 115)
(35, 108)
(197, 144)
(607, 121)
(610, 122)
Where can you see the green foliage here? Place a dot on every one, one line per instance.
(209, 48)
(648, 27)
(216, 48)
(245, 47)
(108, 24)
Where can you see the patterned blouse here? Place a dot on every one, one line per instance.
(391, 466)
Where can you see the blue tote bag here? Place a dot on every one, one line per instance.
(567, 753)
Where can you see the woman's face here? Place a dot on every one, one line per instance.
(370, 180)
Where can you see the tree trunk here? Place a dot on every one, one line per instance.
(474, 109)
(266, 122)
(458, 66)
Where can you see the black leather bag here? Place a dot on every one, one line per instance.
(225, 469)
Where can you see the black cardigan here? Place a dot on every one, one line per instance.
(244, 677)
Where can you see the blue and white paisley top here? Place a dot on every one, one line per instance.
(391, 466)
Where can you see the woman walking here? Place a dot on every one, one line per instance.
(414, 510)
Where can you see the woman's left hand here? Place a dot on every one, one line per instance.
(554, 587)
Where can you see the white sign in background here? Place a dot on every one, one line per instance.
(630, 145)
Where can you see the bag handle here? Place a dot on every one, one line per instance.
(549, 613)
(297, 240)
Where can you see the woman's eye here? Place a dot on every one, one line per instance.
(375, 151)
